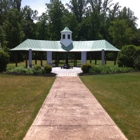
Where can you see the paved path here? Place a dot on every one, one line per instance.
(66, 72)
(70, 112)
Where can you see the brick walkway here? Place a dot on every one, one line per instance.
(70, 112)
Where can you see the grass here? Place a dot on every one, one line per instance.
(20, 100)
(119, 94)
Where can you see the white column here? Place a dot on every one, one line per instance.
(49, 57)
(103, 57)
(30, 57)
(83, 57)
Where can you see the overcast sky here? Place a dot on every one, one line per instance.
(39, 5)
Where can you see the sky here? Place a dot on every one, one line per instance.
(39, 5)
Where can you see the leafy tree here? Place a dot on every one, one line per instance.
(121, 33)
(114, 12)
(95, 26)
(3, 42)
(136, 40)
(128, 15)
(42, 26)
(28, 25)
(55, 12)
(13, 28)
(15, 4)
(78, 7)
(99, 18)
(69, 20)
(137, 62)
(4, 59)
(4, 8)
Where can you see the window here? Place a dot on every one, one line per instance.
(68, 36)
(63, 36)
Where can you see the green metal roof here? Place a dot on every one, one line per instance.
(56, 46)
(66, 29)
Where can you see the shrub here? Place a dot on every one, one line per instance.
(4, 59)
(96, 69)
(10, 68)
(47, 68)
(137, 62)
(37, 69)
(101, 69)
(127, 56)
(85, 68)
(19, 70)
(107, 69)
(29, 71)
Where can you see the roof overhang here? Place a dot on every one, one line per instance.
(56, 46)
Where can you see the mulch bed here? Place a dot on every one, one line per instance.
(24, 74)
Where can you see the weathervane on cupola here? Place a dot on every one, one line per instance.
(66, 44)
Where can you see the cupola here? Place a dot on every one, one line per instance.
(66, 37)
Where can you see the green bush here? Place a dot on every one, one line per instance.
(19, 70)
(85, 68)
(127, 56)
(4, 59)
(37, 69)
(137, 62)
(96, 69)
(47, 68)
(9, 68)
(100, 69)
(29, 71)
(109, 70)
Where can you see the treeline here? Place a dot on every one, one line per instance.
(88, 19)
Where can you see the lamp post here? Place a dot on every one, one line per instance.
(66, 65)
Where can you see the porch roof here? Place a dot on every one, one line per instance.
(56, 46)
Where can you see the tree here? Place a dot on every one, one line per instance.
(15, 4)
(4, 8)
(136, 40)
(114, 12)
(69, 20)
(99, 18)
(42, 26)
(13, 28)
(28, 25)
(121, 33)
(3, 42)
(78, 7)
(55, 12)
(4, 59)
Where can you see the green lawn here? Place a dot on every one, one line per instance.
(20, 100)
(119, 94)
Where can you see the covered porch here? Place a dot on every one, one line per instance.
(57, 59)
